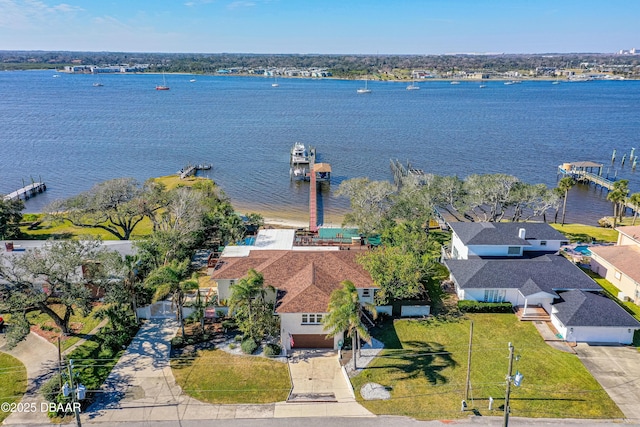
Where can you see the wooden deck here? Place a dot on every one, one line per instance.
(533, 313)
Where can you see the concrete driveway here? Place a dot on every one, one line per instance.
(40, 357)
(320, 388)
(617, 369)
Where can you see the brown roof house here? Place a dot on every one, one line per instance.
(304, 281)
(620, 264)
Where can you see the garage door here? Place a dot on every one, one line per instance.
(311, 341)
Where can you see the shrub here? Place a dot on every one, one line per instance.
(232, 346)
(237, 338)
(228, 324)
(248, 346)
(51, 388)
(177, 342)
(484, 307)
(271, 350)
(606, 222)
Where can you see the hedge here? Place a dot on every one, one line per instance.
(484, 307)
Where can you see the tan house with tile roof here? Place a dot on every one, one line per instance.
(304, 281)
(620, 264)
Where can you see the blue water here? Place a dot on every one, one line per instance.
(584, 250)
(73, 135)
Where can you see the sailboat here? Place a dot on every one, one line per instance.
(163, 86)
(275, 82)
(413, 86)
(97, 83)
(364, 89)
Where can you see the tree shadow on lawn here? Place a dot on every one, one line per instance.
(420, 359)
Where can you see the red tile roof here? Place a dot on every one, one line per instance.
(305, 279)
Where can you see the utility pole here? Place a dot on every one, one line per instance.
(506, 397)
(74, 396)
(466, 391)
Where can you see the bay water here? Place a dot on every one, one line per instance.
(72, 135)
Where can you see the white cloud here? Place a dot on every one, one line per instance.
(240, 4)
(26, 14)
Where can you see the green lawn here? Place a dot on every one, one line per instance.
(47, 230)
(81, 325)
(425, 385)
(215, 376)
(14, 381)
(586, 233)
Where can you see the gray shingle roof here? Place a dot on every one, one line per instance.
(546, 273)
(579, 308)
(503, 233)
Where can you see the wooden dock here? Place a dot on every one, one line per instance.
(25, 193)
(584, 172)
(191, 170)
(313, 203)
(402, 173)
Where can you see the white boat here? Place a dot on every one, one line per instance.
(455, 82)
(364, 89)
(297, 173)
(299, 154)
(482, 85)
(413, 86)
(556, 82)
(275, 82)
(192, 80)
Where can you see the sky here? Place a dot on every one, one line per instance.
(321, 26)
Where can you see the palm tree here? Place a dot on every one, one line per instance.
(634, 199)
(345, 314)
(172, 279)
(245, 293)
(564, 185)
(618, 195)
(132, 278)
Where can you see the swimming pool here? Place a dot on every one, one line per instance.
(583, 249)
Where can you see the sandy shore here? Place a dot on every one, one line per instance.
(288, 218)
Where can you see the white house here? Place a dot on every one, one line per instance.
(503, 239)
(589, 317)
(525, 282)
(518, 263)
(304, 281)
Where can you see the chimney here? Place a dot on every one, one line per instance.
(522, 233)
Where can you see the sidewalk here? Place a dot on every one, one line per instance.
(40, 357)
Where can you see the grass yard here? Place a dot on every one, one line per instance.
(44, 326)
(586, 233)
(14, 381)
(215, 376)
(47, 230)
(425, 364)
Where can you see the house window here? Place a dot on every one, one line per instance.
(232, 282)
(617, 275)
(543, 243)
(311, 319)
(494, 295)
(366, 293)
(513, 250)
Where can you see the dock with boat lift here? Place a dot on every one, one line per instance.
(590, 173)
(26, 192)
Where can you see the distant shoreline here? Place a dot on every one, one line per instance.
(359, 78)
